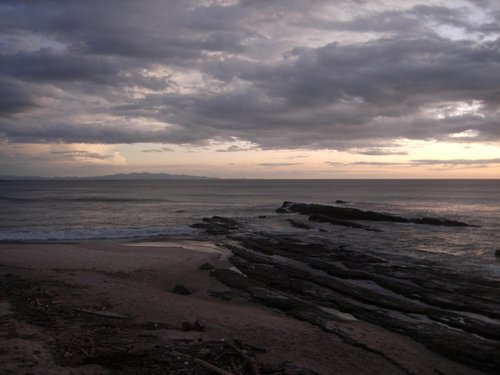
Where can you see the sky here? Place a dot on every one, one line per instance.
(251, 88)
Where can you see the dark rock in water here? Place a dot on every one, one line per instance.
(339, 201)
(261, 216)
(497, 253)
(441, 222)
(206, 267)
(195, 326)
(181, 289)
(335, 214)
(217, 225)
(344, 223)
(339, 213)
(282, 210)
(299, 224)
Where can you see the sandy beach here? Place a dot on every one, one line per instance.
(134, 282)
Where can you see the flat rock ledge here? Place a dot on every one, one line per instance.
(454, 314)
(344, 215)
(217, 225)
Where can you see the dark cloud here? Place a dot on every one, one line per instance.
(377, 151)
(235, 148)
(50, 66)
(158, 150)
(14, 98)
(376, 163)
(449, 163)
(267, 72)
(82, 154)
(457, 161)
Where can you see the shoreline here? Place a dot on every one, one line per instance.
(137, 281)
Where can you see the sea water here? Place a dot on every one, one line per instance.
(75, 210)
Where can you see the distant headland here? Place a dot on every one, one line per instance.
(114, 177)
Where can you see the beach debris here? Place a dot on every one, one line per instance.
(206, 267)
(181, 289)
(151, 325)
(104, 314)
(80, 337)
(286, 368)
(203, 363)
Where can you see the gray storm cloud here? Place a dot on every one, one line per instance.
(278, 74)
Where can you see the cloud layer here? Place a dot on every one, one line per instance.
(347, 75)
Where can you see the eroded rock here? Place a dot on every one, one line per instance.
(206, 267)
(342, 215)
(217, 225)
(181, 289)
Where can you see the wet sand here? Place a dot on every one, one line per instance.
(136, 281)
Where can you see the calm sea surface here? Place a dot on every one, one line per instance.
(89, 210)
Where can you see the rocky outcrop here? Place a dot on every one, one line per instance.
(344, 215)
(299, 224)
(217, 225)
(339, 213)
(344, 223)
(235, 280)
(181, 289)
(455, 314)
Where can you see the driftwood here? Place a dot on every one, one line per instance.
(104, 314)
(203, 363)
(251, 361)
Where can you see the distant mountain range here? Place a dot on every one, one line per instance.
(119, 176)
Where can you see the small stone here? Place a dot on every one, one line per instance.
(225, 296)
(195, 326)
(206, 267)
(181, 289)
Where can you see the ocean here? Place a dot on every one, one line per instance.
(82, 210)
